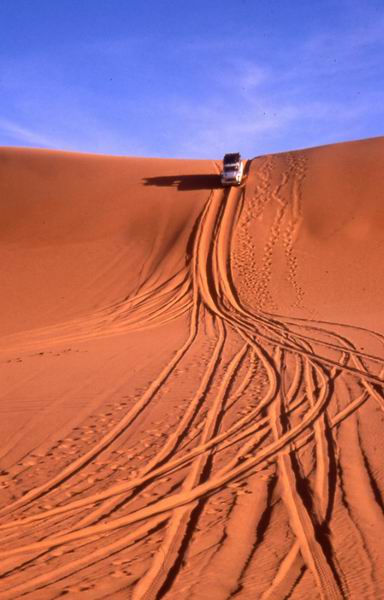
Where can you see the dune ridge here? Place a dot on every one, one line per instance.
(193, 400)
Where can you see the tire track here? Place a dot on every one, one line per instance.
(309, 355)
(163, 565)
(174, 439)
(302, 524)
(117, 430)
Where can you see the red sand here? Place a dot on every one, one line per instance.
(192, 378)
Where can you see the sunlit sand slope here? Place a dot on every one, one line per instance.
(192, 378)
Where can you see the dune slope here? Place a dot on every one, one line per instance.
(192, 400)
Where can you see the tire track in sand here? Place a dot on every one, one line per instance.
(313, 553)
(271, 434)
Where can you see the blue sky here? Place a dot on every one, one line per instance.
(196, 78)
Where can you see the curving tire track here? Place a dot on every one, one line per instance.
(290, 423)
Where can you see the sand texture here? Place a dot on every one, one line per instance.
(192, 377)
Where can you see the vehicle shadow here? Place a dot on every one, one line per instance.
(185, 182)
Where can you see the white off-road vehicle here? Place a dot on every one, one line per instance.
(232, 173)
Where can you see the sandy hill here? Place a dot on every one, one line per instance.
(192, 377)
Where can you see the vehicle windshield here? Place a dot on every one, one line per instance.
(228, 168)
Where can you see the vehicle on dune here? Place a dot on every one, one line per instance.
(233, 168)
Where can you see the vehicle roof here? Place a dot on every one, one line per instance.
(233, 157)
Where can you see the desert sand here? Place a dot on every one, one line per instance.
(192, 377)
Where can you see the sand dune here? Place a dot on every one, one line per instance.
(192, 377)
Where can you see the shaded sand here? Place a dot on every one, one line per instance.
(192, 378)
